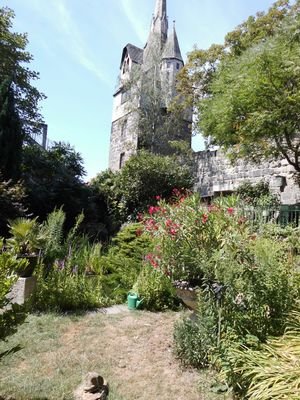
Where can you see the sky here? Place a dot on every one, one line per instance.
(77, 47)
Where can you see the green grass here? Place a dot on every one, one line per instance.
(50, 354)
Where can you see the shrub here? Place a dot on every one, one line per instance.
(195, 339)
(273, 371)
(14, 315)
(123, 261)
(155, 289)
(65, 289)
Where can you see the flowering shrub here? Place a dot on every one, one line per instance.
(186, 233)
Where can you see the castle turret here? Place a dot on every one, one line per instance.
(158, 33)
(155, 68)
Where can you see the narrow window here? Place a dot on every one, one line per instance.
(168, 64)
(177, 65)
(122, 160)
(124, 128)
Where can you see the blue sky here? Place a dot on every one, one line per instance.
(77, 45)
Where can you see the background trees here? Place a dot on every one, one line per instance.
(11, 134)
(14, 60)
(246, 92)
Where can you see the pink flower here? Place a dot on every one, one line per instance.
(230, 210)
(204, 218)
(152, 210)
(158, 198)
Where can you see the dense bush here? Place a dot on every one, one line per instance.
(15, 314)
(195, 339)
(66, 288)
(123, 261)
(249, 280)
(155, 289)
(270, 370)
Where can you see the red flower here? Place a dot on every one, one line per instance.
(173, 231)
(139, 232)
(230, 210)
(204, 218)
(152, 210)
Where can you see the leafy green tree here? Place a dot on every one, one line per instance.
(53, 179)
(253, 109)
(250, 39)
(14, 63)
(137, 185)
(11, 135)
(12, 203)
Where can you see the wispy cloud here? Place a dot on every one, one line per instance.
(57, 13)
(75, 43)
(137, 25)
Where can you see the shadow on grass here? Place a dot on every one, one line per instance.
(13, 350)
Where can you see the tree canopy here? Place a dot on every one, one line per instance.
(14, 60)
(137, 185)
(246, 92)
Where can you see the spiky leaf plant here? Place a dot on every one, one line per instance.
(274, 371)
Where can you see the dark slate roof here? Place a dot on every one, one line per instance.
(172, 49)
(135, 53)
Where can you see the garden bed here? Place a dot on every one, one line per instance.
(133, 350)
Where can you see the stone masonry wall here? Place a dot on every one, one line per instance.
(215, 175)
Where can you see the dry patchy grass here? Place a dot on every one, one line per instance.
(50, 354)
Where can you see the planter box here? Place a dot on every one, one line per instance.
(188, 296)
(22, 290)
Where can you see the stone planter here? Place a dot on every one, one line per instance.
(188, 295)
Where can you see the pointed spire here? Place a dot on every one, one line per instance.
(172, 49)
(160, 8)
(158, 33)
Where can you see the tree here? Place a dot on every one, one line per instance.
(144, 177)
(12, 203)
(14, 59)
(201, 80)
(253, 109)
(11, 135)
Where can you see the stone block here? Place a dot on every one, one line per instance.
(22, 290)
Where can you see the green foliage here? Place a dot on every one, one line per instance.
(193, 341)
(143, 177)
(11, 135)
(14, 64)
(246, 91)
(12, 199)
(25, 238)
(255, 99)
(67, 288)
(257, 195)
(155, 289)
(14, 315)
(52, 231)
(123, 261)
(272, 371)
(187, 232)
(53, 179)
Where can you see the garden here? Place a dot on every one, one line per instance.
(243, 276)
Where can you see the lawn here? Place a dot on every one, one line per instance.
(49, 355)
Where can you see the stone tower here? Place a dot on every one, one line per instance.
(154, 67)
